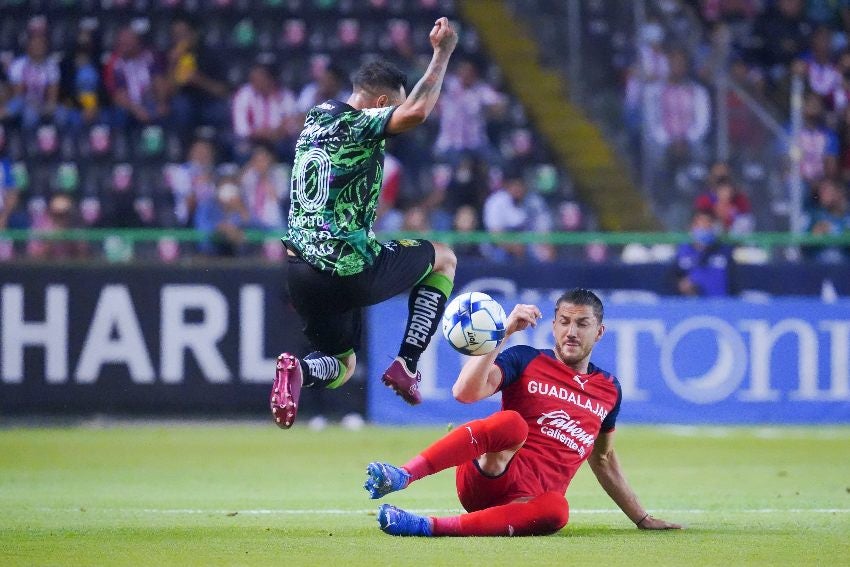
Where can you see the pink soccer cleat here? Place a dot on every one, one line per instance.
(286, 390)
(403, 382)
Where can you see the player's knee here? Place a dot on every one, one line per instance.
(513, 425)
(553, 512)
(445, 260)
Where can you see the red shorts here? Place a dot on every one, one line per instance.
(477, 491)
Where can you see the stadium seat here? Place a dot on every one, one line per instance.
(293, 34)
(97, 143)
(66, 177)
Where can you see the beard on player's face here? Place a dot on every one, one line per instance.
(571, 353)
(576, 331)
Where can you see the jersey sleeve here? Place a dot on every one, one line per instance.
(371, 123)
(513, 361)
(610, 420)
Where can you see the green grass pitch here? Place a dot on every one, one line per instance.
(250, 494)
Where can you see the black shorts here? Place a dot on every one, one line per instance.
(332, 306)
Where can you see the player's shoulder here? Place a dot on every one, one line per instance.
(526, 350)
(593, 369)
(605, 375)
(522, 354)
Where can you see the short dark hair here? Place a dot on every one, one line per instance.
(378, 74)
(581, 296)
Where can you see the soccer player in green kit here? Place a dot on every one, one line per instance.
(336, 265)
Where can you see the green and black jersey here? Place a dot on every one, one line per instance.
(336, 181)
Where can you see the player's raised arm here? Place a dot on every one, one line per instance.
(419, 104)
(604, 464)
(480, 378)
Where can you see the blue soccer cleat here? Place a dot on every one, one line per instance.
(398, 522)
(383, 478)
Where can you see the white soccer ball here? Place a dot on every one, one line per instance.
(474, 323)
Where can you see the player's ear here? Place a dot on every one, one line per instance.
(600, 332)
(383, 100)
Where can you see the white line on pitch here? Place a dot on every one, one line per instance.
(338, 512)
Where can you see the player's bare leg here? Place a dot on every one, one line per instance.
(425, 308)
(494, 464)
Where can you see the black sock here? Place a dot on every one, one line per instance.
(320, 370)
(425, 308)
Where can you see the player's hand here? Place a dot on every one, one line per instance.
(651, 523)
(522, 317)
(443, 36)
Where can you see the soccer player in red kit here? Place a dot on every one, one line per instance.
(514, 467)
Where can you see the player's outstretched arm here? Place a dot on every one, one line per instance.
(480, 378)
(604, 464)
(419, 104)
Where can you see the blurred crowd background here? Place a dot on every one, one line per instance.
(731, 117)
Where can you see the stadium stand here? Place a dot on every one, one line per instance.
(141, 81)
(103, 101)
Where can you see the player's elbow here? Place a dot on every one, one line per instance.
(464, 394)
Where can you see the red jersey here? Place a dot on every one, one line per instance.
(565, 411)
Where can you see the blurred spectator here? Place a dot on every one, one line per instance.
(264, 112)
(842, 95)
(124, 206)
(5, 91)
(704, 266)
(832, 13)
(682, 109)
(222, 219)
(10, 217)
(61, 215)
(464, 107)
(387, 215)
(512, 209)
(134, 79)
(467, 185)
(34, 77)
(466, 222)
(329, 82)
(416, 219)
(822, 74)
(746, 133)
(199, 93)
(80, 85)
(399, 41)
(719, 172)
(830, 217)
(679, 115)
(779, 36)
(844, 155)
(193, 181)
(818, 144)
(726, 10)
(265, 189)
(651, 67)
(729, 206)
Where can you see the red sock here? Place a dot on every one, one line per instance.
(545, 514)
(500, 431)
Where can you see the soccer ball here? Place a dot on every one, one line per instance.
(474, 323)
